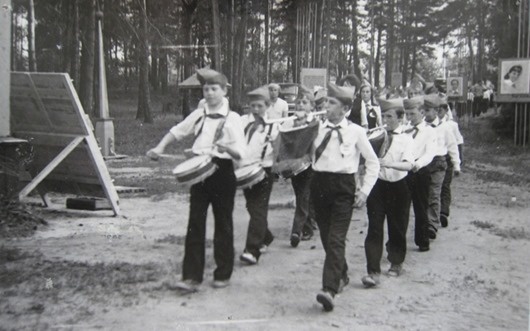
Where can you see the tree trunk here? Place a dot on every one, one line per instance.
(267, 65)
(32, 59)
(155, 83)
(471, 53)
(377, 64)
(241, 37)
(144, 97)
(355, 42)
(390, 44)
(480, 46)
(216, 34)
(88, 57)
(164, 70)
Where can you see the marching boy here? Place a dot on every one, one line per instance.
(259, 136)
(335, 160)
(219, 132)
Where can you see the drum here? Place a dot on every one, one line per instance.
(195, 170)
(291, 168)
(249, 175)
(378, 141)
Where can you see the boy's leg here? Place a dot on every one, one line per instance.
(193, 265)
(373, 244)
(222, 190)
(300, 185)
(343, 188)
(257, 198)
(397, 221)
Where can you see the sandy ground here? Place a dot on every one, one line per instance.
(86, 270)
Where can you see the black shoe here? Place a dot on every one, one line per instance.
(307, 236)
(295, 240)
(325, 298)
(432, 234)
(424, 248)
(444, 221)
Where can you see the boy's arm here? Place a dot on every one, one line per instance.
(154, 153)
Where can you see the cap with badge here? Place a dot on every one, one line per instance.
(320, 96)
(432, 101)
(305, 92)
(261, 93)
(389, 104)
(412, 103)
(211, 77)
(342, 93)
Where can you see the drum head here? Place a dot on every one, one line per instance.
(191, 164)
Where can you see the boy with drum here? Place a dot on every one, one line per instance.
(219, 133)
(335, 159)
(304, 104)
(259, 137)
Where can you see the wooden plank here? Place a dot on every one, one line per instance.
(64, 153)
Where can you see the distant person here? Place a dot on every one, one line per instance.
(370, 112)
(511, 83)
(279, 107)
(354, 114)
(478, 93)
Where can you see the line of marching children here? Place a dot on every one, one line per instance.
(415, 165)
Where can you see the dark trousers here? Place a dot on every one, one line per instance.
(390, 200)
(219, 190)
(445, 201)
(437, 168)
(301, 185)
(477, 105)
(333, 196)
(257, 198)
(418, 183)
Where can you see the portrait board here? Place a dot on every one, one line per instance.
(514, 80)
(455, 87)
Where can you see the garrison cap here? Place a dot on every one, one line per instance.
(432, 101)
(342, 93)
(261, 93)
(388, 104)
(415, 102)
(305, 92)
(320, 96)
(210, 76)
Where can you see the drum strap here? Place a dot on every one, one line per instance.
(267, 140)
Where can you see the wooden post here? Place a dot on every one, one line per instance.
(104, 124)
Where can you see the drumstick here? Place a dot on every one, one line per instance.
(293, 117)
(207, 147)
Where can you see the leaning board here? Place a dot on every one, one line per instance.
(46, 111)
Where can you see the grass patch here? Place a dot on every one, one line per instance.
(518, 233)
(482, 224)
(484, 146)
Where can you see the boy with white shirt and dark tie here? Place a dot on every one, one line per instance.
(219, 131)
(445, 145)
(390, 197)
(335, 160)
(419, 178)
(259, 136)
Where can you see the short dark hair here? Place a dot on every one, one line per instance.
(516, 67)
(400, 112)
(455, 80)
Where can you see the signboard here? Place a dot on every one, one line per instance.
(311, 77)
(46, 111)
(456, 88)
(514, 80)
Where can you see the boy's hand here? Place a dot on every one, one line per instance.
(360, 199)
(153, 154)
(221, 148)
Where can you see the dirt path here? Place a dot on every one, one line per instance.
(89, 271)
